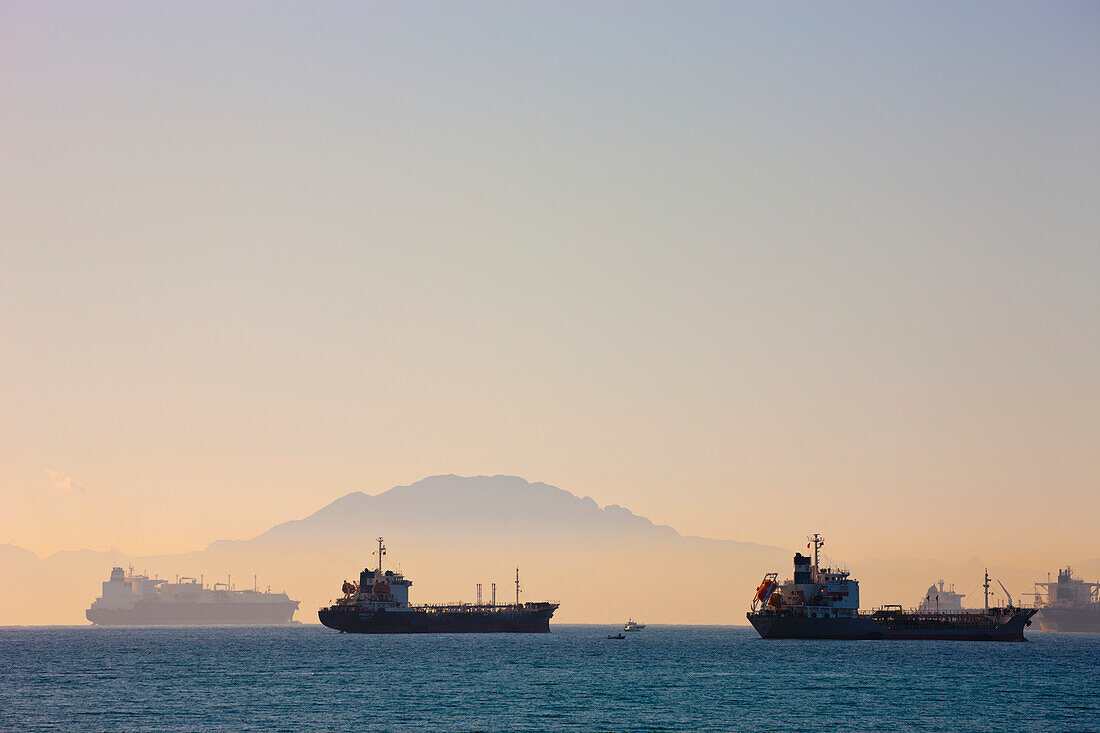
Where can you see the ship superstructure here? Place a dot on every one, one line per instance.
(379, 604)
(823, 603)
(132, 599)
(939, 598)
(1070, 604)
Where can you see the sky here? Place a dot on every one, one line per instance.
(752, 270)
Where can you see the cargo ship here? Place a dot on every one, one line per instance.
(1070, 604)
(131, 599)
(379, 604)
(941, 598)
(823, 603)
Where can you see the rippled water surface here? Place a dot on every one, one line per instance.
(663, 678)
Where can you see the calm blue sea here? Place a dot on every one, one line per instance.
(663, 678)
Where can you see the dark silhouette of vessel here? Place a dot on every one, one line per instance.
(824, 604)
(379, 604)
(1070, 604)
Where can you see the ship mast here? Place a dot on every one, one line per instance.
(517, 587)
(381, 552)
(986, 586)
(817, 541)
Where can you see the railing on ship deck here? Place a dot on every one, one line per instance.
(460, 606)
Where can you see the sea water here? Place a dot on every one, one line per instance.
(663, 678)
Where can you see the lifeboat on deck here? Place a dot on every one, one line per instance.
(764, 589)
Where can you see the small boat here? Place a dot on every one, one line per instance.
(615, 636)
(632, 625)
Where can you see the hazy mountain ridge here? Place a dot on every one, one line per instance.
(15, 552)
(449, 532)
(456, 503)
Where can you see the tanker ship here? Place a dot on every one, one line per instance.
(1070, 604)
(131, 599)
(379, 604)
(941, 598)
(823, 603)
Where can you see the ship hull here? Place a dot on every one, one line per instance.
(771, 626)
(1070, 619)
(195, 614)
(354, 620)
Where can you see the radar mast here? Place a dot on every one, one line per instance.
(817, 541)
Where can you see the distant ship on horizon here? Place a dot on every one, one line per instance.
(130, 599)
(941, 598)
(1069, 604)
(379, 604)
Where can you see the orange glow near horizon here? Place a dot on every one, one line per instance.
(748, 273)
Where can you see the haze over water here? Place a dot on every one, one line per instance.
(749, 270)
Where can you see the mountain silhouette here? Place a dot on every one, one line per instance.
(468, 505)
(447, 533)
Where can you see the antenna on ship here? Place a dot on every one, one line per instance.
(817, 541)
(517, 587)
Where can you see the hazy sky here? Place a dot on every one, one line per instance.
(752, 270)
